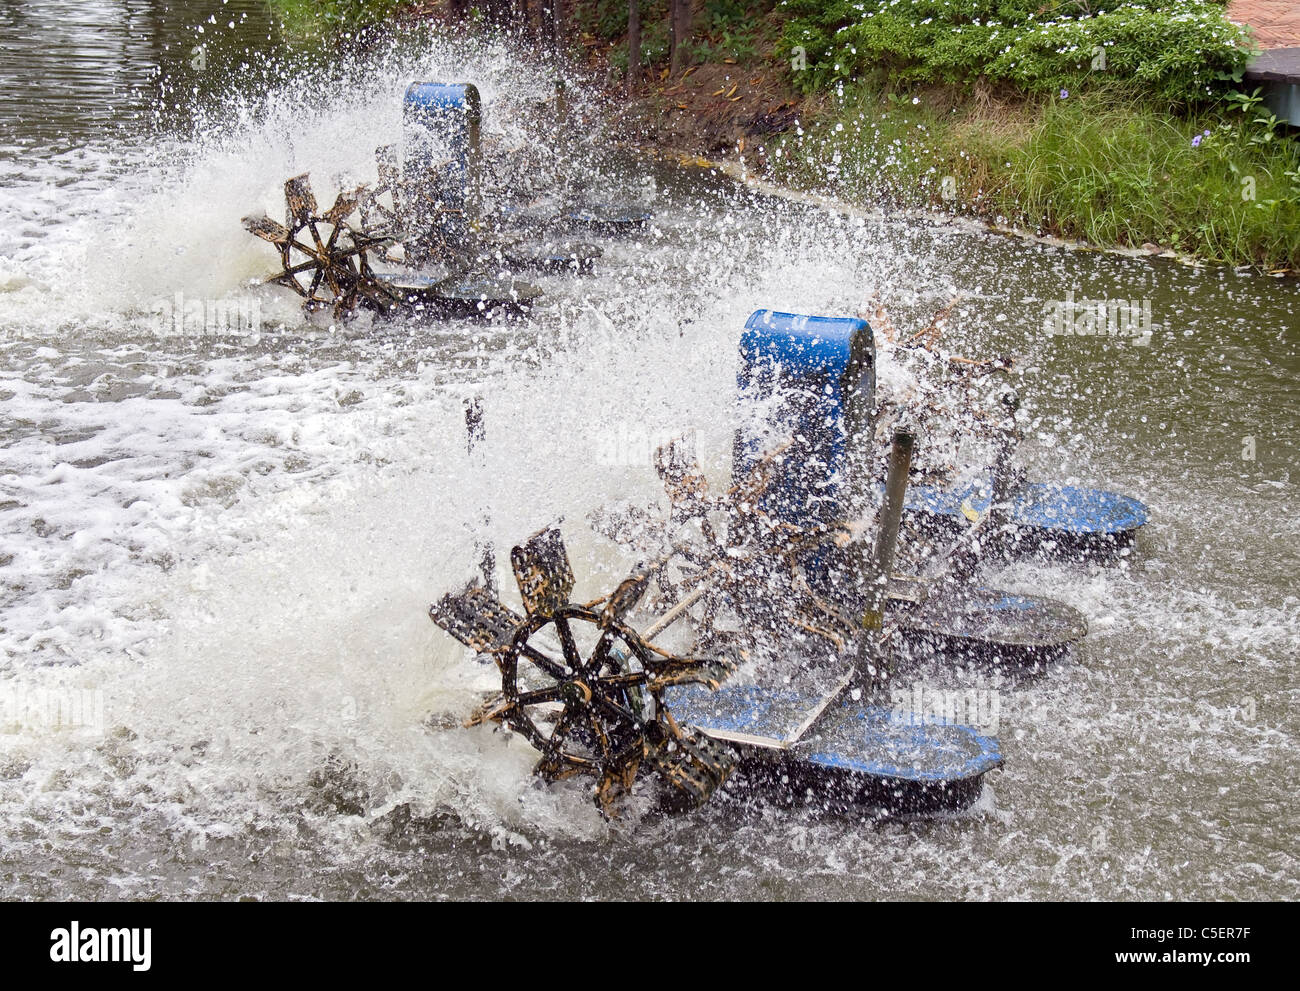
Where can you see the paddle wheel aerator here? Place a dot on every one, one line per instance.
(323, 258)
(583, 688)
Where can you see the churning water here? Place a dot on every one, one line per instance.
(221, 546)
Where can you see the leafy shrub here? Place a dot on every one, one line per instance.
(1180, 51)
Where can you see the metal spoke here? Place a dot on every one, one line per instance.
(543, 662)
(601, 737)
(340, 273)
(601, 654)
(552, 694)
(570, 646)
(560, 732)
(599, 698)
(629, 679)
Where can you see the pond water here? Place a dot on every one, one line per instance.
(225, 544)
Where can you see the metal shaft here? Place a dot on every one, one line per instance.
(859, 398)
(881, 562)
(965, 555)
(474, 167)
(1003, 476)
(872, 666)
(483, 549)
(677, 611)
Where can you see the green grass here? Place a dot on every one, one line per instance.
(1109, 167)
(330, 18)
(1124, 173)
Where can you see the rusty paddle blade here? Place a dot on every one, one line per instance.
(476, 618)
(542, 569)
(345, 204)
(267, 229)
(300, 199)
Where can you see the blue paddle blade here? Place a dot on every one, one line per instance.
(1067, 510)
(869, 741)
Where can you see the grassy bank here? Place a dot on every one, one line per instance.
(1106, 166)
(1119, 122)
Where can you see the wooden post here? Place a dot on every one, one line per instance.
(496, 13)
(681, 33)
(551, 16)
(633, 44)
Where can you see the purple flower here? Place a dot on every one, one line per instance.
(1196, 141)
(1207, 134)
(1065, 94)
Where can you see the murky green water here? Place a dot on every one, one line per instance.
(234, 539)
